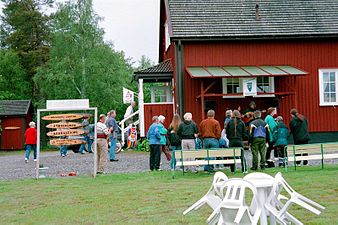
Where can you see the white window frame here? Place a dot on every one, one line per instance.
(321, 88)
(225, 90)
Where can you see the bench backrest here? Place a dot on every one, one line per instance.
(204, 153)
(327, 148)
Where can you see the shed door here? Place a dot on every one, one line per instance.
(12, 138)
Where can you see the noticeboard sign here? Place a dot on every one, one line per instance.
(250, 86)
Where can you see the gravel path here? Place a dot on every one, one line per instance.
(13, 166)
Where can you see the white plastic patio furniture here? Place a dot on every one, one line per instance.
(233, 209)
(280, 211)
(212, 198)
(263, 183)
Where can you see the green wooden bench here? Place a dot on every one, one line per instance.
(319, 151)
(202, 157)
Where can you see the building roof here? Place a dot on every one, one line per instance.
(161, 72)
(237, 19)
(14, 107)
(163, 67)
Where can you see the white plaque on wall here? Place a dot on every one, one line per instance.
(250, 86)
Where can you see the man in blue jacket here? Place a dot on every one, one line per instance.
(154, 138)
(259, 135)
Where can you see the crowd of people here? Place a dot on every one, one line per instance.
(264, 137)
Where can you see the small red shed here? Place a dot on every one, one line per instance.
(288, 51)
(15, 116)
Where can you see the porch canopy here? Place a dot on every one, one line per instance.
(161, 72)
(243, 71)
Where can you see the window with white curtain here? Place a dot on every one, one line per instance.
(328, 83)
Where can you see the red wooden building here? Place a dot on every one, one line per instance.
(15, 116)
(288, 51)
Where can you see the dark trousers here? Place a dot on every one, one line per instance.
(155, 157)
(305, 162)
(258, 146)
(235, 143)
(281, 155)
(269, 150)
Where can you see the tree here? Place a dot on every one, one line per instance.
(25, 30)
(12, 77)
(144, 63)
(81, 64)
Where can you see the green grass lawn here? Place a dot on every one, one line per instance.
(144, 198)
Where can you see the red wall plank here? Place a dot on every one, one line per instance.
(307, 55)
(157, 109)
(12, 139)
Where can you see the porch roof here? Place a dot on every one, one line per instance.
(243, 71)
(161, 72)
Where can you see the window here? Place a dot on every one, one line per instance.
(235, 85)
(328, 81)
(161, 94)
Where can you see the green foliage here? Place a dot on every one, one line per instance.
(13, 84)
(25, 30)
(144, 146)
(81, 64)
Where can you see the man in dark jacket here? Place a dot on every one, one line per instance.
(187, 132)
(259, 135)
(299, 130)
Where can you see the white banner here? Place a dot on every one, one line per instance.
(67, 104)
(128, 96)
(250, 86)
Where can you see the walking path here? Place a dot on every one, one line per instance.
(14, 167)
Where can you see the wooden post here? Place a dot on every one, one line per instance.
(202, 99)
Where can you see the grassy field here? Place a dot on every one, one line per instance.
(144, 198)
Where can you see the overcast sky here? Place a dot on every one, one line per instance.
(132, 25)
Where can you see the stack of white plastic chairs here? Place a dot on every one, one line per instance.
(226, 197)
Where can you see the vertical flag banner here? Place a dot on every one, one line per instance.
(250, 87)
(128, 96)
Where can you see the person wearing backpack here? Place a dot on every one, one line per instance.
(259, 135)
(280, 135)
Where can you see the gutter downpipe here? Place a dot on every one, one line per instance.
(179, 78)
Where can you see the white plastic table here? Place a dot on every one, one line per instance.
(264, 187)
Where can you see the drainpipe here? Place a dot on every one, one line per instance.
(179, 77)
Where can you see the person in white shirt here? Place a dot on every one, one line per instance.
(129, 111)
(102, 145)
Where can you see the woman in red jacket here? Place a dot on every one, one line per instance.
(30, 136)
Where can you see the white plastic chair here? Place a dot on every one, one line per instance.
(213, 197)
(233, 209)
(280, 211)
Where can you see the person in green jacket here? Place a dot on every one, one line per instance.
(272, 124)
(280, 135)
(299, 130)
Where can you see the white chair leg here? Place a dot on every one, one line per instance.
(195, 206)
